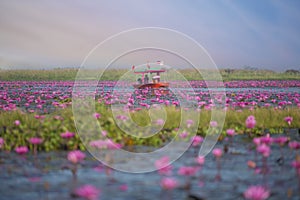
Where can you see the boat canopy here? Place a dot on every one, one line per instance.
(149, 70)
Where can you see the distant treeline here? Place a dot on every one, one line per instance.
(69, 74)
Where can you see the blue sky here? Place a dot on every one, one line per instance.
(46, 34)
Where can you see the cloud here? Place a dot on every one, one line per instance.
(61, 33)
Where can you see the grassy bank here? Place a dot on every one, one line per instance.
(66, 74)
(51, 127)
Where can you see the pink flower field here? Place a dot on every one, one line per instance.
(257, 156)
(46, 96)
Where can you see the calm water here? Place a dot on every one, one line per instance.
(45, 176)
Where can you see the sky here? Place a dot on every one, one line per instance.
(60, 33)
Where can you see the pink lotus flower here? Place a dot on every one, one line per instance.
(288, 120)
(57, 117)
(251, 164)
(21, 150)
(97, 115)
(256, 193)
(104, 133)
(160, 122)
(281, 140)
(256, 141)
(34, 179)
(213, 124)
(105, 144)
(76, 156)
(98, 168)
(122, 117)
(35, 140)
(112, 145)
(266, 139)
(230, 132)
(294, 145)
(200, 160)
(196, 140)
(88, 192)
(100, 144)
(17, 122)
(217, 152)
(67, 135)
(163, 166)
(250, 122)
(184, 134)
(187, 171)
(123, 187)
(258, 170)
(1, 142)
(296, 163)
(168, 183)
(264, 150)
(39, 116)
(189, 123)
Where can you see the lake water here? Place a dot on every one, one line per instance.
(46, 177)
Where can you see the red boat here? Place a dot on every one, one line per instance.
(150, 78)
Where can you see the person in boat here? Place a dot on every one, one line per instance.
(156, 79)
(139, 80)
(146, 79)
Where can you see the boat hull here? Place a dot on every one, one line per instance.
(151, 85)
